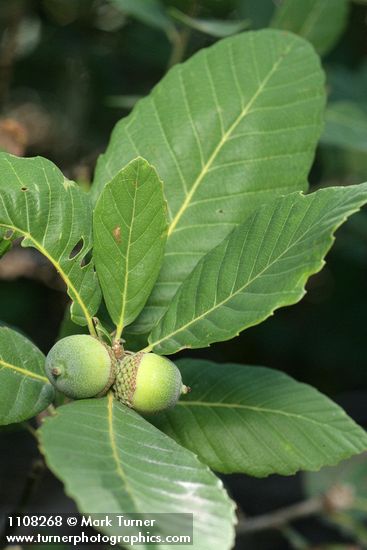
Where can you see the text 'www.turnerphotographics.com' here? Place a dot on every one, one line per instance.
(116, 529)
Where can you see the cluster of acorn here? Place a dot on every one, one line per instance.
(82, 366)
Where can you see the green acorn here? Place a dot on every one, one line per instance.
(148, 383)
(81, 366)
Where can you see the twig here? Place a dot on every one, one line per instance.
(337, 498)
(280, 518)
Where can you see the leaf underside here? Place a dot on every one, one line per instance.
(129, 229)
(24, 389)
(258, 421)
(228, 130)
(53, 215)
(261, 266)
(110, 458)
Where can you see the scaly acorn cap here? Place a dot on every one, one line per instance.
(148, 383)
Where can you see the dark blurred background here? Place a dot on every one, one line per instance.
(69, 69)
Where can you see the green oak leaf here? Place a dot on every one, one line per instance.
(53, 215)
(228, 130)
(321, 23)
(24, 388)
(261, 266)
(130, 230)
(110, 458)
(258, 421)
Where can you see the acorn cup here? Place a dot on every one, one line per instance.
(148, 383)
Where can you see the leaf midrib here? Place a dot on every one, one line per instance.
(58, 268)
(120, 325)
(253, 408)
(22, 371)
(248, 283)
(119, 470)
(240, 290)
(224, 139)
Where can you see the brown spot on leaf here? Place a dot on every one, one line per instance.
(117, 234)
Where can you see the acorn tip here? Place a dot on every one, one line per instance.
(56, 371)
